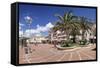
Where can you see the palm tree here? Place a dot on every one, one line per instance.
(75, 30)
(93, 29)
(67, 23)
(84, 24)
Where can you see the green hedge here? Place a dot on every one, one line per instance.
(66, 44)
(83, 42)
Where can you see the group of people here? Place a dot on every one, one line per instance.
(26, 45)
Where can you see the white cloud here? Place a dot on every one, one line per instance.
(49, 25)
(21, 25)
(44, 28)
(39, 29)
(20, 33)
(20, 29)
(32, 31)
(28, 19)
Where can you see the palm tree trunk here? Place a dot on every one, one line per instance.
(83, 35)
(74, 39)
(67, 36)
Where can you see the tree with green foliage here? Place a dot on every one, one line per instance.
(84, 24)
(68, 24)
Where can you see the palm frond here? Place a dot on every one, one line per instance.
(60, 17)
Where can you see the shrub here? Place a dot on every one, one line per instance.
(83, 42)
(66, 44)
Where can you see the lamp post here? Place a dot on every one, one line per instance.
(29, 21)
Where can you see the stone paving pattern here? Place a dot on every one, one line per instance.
(48, 53)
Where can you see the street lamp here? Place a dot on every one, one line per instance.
(29, 21)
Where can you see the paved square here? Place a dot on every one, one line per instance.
(48, 53)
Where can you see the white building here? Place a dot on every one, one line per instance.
(37, 39)
(61, 36)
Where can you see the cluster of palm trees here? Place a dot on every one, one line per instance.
(72, 25)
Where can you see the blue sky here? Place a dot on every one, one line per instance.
(42, 17)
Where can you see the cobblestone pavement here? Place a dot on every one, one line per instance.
(48, 53)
